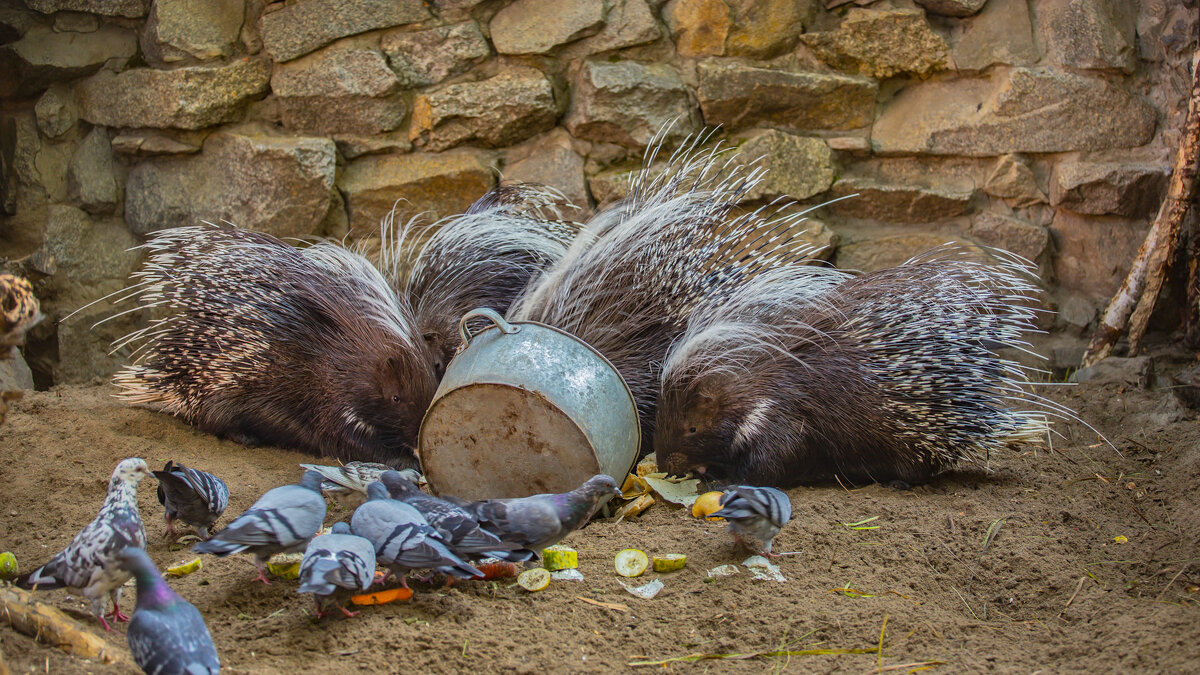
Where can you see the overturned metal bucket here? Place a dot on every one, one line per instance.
(525, 408)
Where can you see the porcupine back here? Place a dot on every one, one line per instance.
(809, 374)
(632, 277)
(262, 342)
(481, 258)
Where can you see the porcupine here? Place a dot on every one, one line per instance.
(312, 348)
(481, 258)
(808, 374)
(265, 343)
(636, 270)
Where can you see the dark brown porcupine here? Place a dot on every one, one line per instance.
(808, 374)
(633, 275)
(482, 258)
(265, 343)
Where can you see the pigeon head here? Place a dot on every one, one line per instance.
(135, 560)
(130, 471)
(340, 527)
(377, 490)
(312, 481)
(601, 485)
(397, 485)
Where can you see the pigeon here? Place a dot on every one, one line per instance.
(538, 521)
(336, 565)
(755, 515)
(347, 484)
(281, 521)
(458, 529)
(403, 539)
(193, 497)
(86, 564)
(167, 635)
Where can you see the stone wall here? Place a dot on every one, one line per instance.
(1041, 126)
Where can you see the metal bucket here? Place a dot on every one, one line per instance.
(525, 408)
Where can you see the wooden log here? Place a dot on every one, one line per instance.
(49, 625)
(1144, 281)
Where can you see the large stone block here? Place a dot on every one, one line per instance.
(43, 56)
(435, 184)
(185, 98)
(905, 203)
(1011, 234)
(425, 57)
(627, 102)
(148, 143)
(298, 28)
(551, 161)
(629, 23)
(92, 177)
(510, 107)
(738, 95)
(698, 27)
(798, 167)
(1131, 190)
(277, 185)
(872, 253)
(881, 43)
(340, 89)
(179, 30)
(537, 26)
(1089, 33)
(762, 29)
(1019, 110)
(1093, 253)
(1001, 34)
(952, 7)
(127, 8)
(56, 110)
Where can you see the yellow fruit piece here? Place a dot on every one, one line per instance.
(556, 558)
(286, 565)
(631, 563)
(669, 562)
(184, 569)
(536, 579)
(8, 566)
(709, 502)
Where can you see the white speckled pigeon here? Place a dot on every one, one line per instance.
(538, 521)
(336, 565)
(194, 498)
(348, 483)
(86, 563)
(755, 515)
(167, 635)
(281, 521)
(458, 529)
(403, 539)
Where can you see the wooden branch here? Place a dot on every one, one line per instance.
(1144, 281)
(49, 625)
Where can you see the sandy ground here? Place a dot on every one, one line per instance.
(1094, 566)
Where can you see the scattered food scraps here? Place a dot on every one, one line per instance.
(645, 591)
(383, 597)
(286, 565)
(184, 569)
(533, 580)
(567, 575)
(723, 571)
(681, 492)
(707, 503)
(763, 569)
(634, 508)
(8, 566)
(1121, 539)
(559, 557)
(669, 562)
(631, 562)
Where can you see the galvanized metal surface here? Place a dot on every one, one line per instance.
(525, 411)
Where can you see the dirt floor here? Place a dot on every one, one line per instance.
(1093, 564)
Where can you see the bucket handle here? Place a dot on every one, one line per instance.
(484, 313)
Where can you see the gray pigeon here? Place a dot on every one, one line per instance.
(348, 483)
(458, 529)
(281, 521)
(403, 539)
(194, 498)
(167, 635)
(336, 565)
(86, 564)
(755, 515)
(538, 521)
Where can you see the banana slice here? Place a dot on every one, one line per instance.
(669, 562)
(536, 579)
(184, 569)
(556, 558)
(631, 563)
